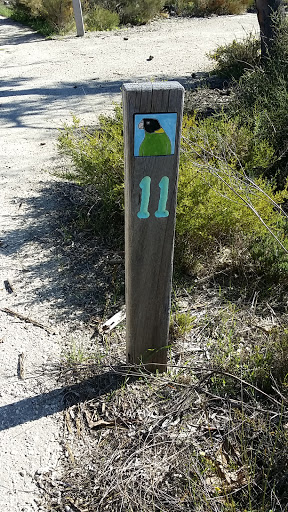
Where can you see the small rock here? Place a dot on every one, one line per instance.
(41, 471)
(150, 57)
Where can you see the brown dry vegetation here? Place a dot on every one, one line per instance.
(210, 435)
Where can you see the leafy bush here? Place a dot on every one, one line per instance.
(57, 12)
(260, 97)
(131, 11)
(261, 101)
(5, 11)
(98, 18)
(47, 16)
(32, 8)
(98, 163)
(206, 7)
(261, 359)
(138, 13)
(234, 58)
(216, 199)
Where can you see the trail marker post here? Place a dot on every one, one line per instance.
(152, 129)
(78, 17)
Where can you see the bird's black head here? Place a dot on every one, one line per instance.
(151, 125)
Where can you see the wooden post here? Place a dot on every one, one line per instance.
(152, 128)
(266, 13)
(78, 17)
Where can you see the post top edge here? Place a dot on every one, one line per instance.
(141, 86)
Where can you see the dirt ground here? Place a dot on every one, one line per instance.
(42, 83)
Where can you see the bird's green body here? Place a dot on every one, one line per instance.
(155, 144)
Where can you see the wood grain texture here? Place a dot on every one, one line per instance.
(149, 242)
(77, 8)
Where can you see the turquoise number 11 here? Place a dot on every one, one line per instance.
(164, 188)
(145, 185)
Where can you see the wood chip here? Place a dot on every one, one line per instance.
(21, 366)
(8, 286)
(115, 320)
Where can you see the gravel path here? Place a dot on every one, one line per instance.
(42, 82)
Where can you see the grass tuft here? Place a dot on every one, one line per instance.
(98, 18)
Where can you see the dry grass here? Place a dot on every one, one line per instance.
(198, 438)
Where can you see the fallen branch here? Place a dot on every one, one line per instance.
(26, 319)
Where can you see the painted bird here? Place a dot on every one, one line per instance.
(156, 141)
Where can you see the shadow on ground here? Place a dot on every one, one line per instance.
(73, 268)
(47, 404)
(26, 35)
(23, 103)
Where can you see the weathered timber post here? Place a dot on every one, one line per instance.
(78, 17)
(266, 12)
(152, 128)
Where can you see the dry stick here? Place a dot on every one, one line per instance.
(227, 374)
(242, 381)
(131, 370)
(21, 366)
(26, 319)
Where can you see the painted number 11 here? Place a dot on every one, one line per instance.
(145, 186)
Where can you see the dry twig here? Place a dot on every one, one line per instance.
(26, 319)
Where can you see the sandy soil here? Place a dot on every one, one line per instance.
(42, 82)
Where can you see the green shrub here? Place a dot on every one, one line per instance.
(206, 7)
(5, 11)
(98, 163)
(32, 8)
(234, 58)
(214, 190)
(131, 11)
(261, 102)
(57, 12)
(98, 18)
(138, 13)
(216, 199)
(261, 358)
(46, 16)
